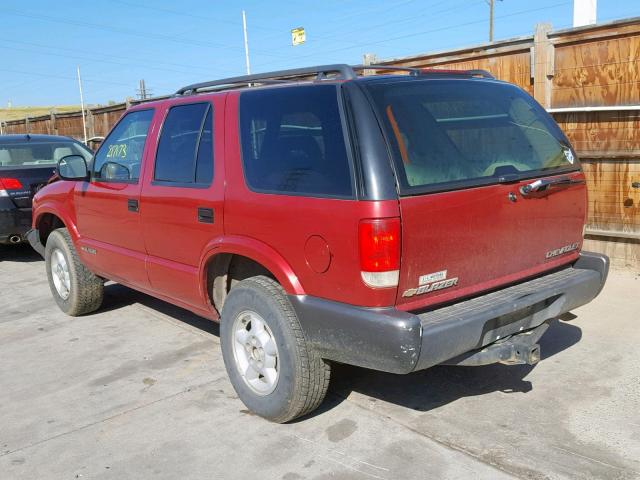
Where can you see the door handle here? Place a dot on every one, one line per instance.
(635, 184)
(205, 215)
(132, 205)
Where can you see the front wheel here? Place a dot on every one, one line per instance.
(76, 290)
(271, 367)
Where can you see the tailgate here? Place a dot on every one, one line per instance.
(463, 151)
(462, 242)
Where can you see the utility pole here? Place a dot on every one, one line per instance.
(491, 2)
(246, 42)
(491, 5)
(84, 120)
(142, 90)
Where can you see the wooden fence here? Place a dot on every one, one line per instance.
(587, 77)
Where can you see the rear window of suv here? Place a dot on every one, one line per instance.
(293, 142)
(39, 153)
(448, 134)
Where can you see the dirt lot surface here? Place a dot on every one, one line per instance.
(138, 390)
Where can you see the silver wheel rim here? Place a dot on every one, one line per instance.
(60, 273)
(255, 352)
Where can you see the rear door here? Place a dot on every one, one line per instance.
(108, 207)
(463, 149)
(182, 196)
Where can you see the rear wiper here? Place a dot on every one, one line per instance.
(544, 183)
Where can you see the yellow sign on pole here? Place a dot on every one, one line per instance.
(298, 36)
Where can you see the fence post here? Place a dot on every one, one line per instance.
(369, 59)
(542, 64)
(54, 129)
(90, 124)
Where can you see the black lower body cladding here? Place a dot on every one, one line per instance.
(395, 341)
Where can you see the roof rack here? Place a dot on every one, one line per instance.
(468, 73)
(412, 71)
(321, 72)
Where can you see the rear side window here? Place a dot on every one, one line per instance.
(37, 153)
(293, 141)
(455, 133)
(120, 155)
(185, 149)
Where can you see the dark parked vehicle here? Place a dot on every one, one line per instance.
(27, 162)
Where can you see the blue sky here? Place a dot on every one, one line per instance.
(172, 43)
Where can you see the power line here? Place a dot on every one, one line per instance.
(138, 61)
(63, 77)
(365, 11)
(127, 31)
(424, 32)
(101, 60)
(417, 16)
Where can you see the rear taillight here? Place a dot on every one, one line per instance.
(379, 245)
(9, 184)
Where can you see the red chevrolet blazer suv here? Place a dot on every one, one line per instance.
(394, 222)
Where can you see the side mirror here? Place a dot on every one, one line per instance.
(73, 167)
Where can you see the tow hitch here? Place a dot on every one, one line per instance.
(518, 349)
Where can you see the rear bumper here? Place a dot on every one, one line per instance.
(395, 341)
(13, 220)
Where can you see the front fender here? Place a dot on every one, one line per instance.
(257, 251)
(54, 209)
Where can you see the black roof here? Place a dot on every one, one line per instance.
(32, 137)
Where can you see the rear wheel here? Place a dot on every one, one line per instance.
(76, 290)
(273, 370)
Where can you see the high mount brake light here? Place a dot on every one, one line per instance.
(379, 246)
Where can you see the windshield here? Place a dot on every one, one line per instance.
(31, 153)
(452, 133)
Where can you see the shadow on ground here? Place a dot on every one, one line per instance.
(117, 296)
(423, 391)
(19, 253)
(441, 385)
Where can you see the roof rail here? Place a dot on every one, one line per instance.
(411, 70)
(471, 73)
(345, 71)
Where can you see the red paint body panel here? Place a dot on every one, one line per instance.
(173, 237)
(285, 222)
(485, 239)
(106, 224)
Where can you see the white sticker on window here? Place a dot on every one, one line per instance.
(432, 277)
(568, 154)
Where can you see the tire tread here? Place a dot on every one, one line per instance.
(313, 372)
(89, 288)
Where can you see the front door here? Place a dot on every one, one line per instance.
(182, 197)
(108, 207)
